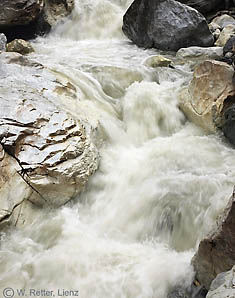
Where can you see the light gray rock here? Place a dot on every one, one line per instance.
(216, 253)
(51, 152)
(3, 42)
(157, 61)
(224, 20)
(199, 52)
(225, 35)
(223, 286)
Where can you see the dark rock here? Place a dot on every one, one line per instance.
(208, 6)
(166, 25)
(229, 123)
(229, 46)
(216, 253)
(25, 19)
(192, 292)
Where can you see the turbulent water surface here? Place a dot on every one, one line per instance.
(160, 185)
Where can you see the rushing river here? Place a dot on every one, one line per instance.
(160, 185)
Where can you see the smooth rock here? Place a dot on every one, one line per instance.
(203, 101)
(3, 42)
(223, 21)
(223, 286)
(225, 35)
(157, 61)
(216, 253)
(19, 46)
(166, 25)
(54, 149)
(196, 52)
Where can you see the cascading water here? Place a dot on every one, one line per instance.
(161, 181)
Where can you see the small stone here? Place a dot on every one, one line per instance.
(3, 41)
(157, 61)
(20, 46)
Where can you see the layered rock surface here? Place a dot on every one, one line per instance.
(166, 25)
(45, 150)
(216, 253)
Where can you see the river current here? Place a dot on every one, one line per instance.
(160, 185)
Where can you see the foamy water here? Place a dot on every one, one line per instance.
(160, 185)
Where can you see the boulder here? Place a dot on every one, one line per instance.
(223, 285)
(24, 19)
(166, 25)
(19, 12)
(225, 35)
(223, 21)
(203, 101)
(205, 6)
(198, 52)
(19, 46)
(51, 151)
(3, 42)
(216, 253)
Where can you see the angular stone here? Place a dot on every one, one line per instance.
(216, 253)
(3, 42)
(225, 35)
(204, 100)
(223, 286)
(19, 46)
(165, 25)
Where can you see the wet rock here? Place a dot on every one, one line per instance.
(225, 35)
(223, 21)
(19, 12)
(157, 61)
(52, 149)
(25, 19)
(199, 52)
(3, 42)
(191, 292)
(205, 6)
(216, 253)
(165, 25)
(204, 100)
(223, 286)
(229, 46)
(19, 46)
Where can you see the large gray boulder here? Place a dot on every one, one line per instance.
(46, 153)
(165, 25)
(216, 253)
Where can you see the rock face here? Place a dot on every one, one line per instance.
(223, 285)
(45, 150)
(203, 102)
(166, 25)
(216, 253)
(20, 46)
(24, 19)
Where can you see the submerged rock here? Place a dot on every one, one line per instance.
(47, 151)
(223, 286)
(165, 25)
(216, 253)
(20, 46)
(204, 100)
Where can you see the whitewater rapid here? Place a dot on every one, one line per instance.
(160, 185)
